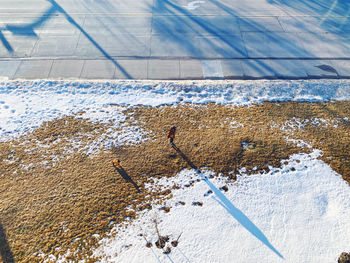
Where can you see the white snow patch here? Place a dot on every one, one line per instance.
(235, 125)
(298, 124)
(324, 122)
(294, 124)
(113, 137)
(298, 212)
(299, 143)
(25, 105)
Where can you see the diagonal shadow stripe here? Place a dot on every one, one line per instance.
(5, 250)
(29, 31)
(126, 177)
(231, 209)
(74, 23)
(6, 43)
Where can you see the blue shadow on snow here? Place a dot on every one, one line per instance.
(230, 208)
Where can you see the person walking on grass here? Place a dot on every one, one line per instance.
(171, 135)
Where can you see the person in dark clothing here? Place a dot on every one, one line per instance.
(171, 135)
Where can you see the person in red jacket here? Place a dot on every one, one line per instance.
(171, 135)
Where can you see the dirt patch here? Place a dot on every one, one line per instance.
(55, 196)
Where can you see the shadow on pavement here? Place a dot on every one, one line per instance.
(28, 30)
(271, 50)
(73, 22)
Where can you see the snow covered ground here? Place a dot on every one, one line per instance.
(298, 213)
(25, 105)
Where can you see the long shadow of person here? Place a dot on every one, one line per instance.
(230, 208)
(126, 177)
(184, 156)
(5, 250)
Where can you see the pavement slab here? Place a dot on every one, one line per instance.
(260, 24)
(163, 69)
(131, 69)
(342, 67)
(8, 68)
(66, 69)
(232, 69)
(191, 69)
(98, 69)
(55, 46)
(29, 69)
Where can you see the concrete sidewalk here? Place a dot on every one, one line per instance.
(173, 69)
(174, 39)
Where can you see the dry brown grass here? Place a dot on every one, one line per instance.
(66, 197)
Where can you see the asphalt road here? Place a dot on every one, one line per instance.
(174, 39)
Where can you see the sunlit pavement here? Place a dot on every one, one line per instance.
(174, 39)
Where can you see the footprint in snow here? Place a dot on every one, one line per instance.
(208, 193)
(224, 188)
(180, 203)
